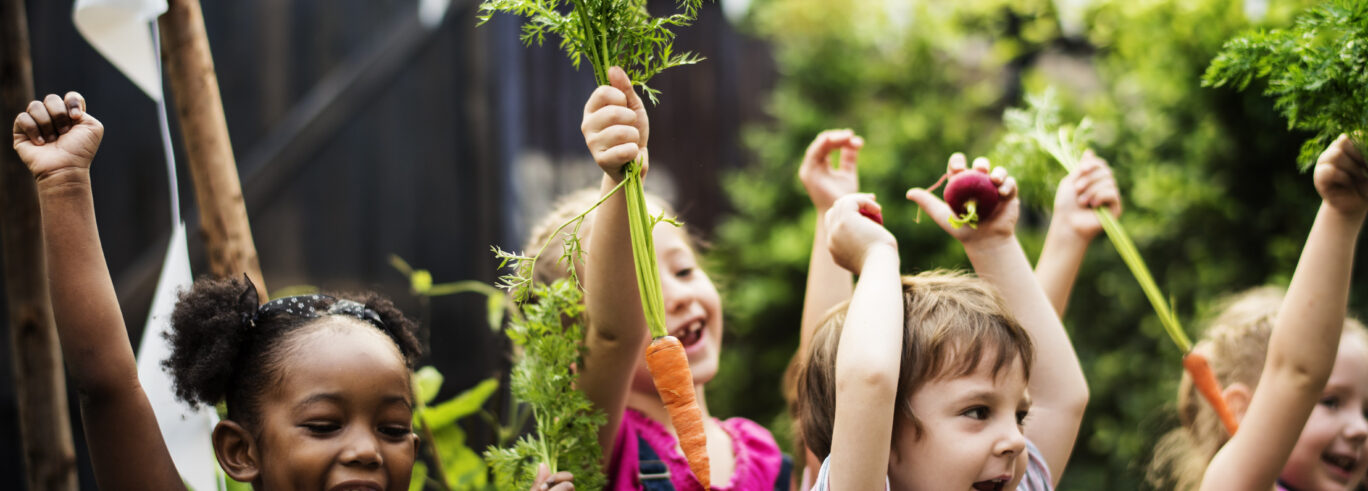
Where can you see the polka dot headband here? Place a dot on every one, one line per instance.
(306, 306)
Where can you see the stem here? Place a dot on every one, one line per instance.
(1122, 242)
(639, 226)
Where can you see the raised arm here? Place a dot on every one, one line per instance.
(1073, 226)
(870, 350)
(57, 140)
(827, 283)
(1306, 334)
(615, 128)
(1059, 393)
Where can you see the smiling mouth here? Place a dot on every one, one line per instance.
(691, 333)
(991, 485)
(1342, 463)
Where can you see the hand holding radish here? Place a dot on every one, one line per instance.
(823, 182)
(853, 232)
(1341, 178)
(56, 134)
(615, 125)
(995, 221)
(1089, 186)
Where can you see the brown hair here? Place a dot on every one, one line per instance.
(952, 322)
(1235, 344)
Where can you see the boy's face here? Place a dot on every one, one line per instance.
(971, 433)
(1330, 453)
(693, 309)
(340, 416)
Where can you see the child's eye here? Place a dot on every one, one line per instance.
(1021, 418)
(684, 273)
(396, 431)
(321, 428)
(977, 412)
(1330, 402)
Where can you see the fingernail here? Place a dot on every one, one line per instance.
(39, 140)
(77, 113)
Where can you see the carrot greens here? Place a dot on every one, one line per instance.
(1317, 72)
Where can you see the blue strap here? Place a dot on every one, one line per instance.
(652, 472)
(781, 482)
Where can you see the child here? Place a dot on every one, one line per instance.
(1297, 432)
(1072, 228)
(640, 446)
(951, 331)
(317, 387)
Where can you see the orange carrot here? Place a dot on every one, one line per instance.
(669, 367)
(1206, 383)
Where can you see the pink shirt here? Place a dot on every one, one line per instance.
(757, 455)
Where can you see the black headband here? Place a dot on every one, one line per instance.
(306, 306)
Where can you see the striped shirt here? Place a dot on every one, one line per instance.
(1037, 476)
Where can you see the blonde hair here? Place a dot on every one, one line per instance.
(952, 322)
(1235, 344)
(549, 267)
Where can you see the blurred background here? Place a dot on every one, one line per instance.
(361, 134)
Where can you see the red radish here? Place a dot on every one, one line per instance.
(971, 194)
(872, 215)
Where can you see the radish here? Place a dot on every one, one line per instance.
(971, 195)
(872, 215)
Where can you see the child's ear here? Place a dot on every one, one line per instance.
(236, 451)
(1237, 397)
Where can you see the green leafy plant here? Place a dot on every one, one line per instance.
(1317, 72)
(549, 331)
(460, 467)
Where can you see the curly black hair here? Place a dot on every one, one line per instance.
(219, 353)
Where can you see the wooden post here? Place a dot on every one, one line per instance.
(39, 381)
(195, 90)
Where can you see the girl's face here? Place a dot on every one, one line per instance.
(971, 433)
(340, 416)
(1330, 453)
(693, 309)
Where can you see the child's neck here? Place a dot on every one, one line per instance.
(649, 404)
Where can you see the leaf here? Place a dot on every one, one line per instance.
(464, 404)
(427, 381)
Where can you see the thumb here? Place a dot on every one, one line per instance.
(618, 79)
(543, 472)
(933, 206)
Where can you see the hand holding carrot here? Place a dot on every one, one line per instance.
(615, 125)
(56, 134)
(546, 481)
(823, 182)
(1000, 224)
(854, 234)
(1341, 178)
(1091, 185)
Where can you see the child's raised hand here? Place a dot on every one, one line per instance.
(546, 481)
(615, 125)
(1001, 224)
(1342, 177)
(56, 134)
(1091, 185)
(825, 183)
(854, 233)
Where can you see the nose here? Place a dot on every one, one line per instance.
(677, 297)
(362, 449)
(1012, 442)
(1357, 429)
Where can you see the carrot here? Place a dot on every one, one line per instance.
(669, 367)
(1206, 383)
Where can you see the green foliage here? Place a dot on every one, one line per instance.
(1317, 71)
(1210, 201)
(549, 332)
(605, 33)
(462, 468)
